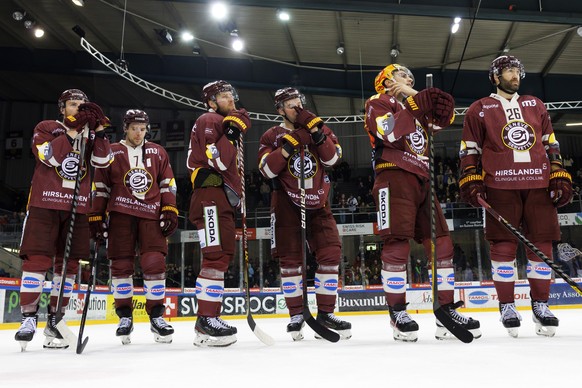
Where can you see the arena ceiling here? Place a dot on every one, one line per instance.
(544, 34)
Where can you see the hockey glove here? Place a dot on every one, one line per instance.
(98, 227)
(81, 119)
(236, 122)
(306, 119)
(470, 185)
(443, 113)
(97, 112)
(168, 220)
(290, 143)
(560, 188)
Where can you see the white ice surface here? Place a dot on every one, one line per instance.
(370, 358)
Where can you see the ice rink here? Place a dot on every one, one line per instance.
(371, 357)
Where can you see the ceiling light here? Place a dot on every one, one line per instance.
(187, 36)
(38, 32)
(457, 20)
(283, 15)
(79, 3)
(219, 11)
(28, 24)
(579, 30)
(18, 15)
(395, 51)
(340, 49)
(165, 35)
(455, 27)
(238, 44)
(573, 124)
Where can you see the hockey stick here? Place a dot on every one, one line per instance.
(260, 334)
(443, 317)
(529, 245)
(81, 343)
(62, 327)
(317, 327)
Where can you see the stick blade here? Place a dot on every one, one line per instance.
(317, 327)
(259, 333)
(457, 330)
(81, 344)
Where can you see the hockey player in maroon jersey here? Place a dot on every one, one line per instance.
(279, 160)
(138, 192)
(397, 121)
(216, 183)
(510, 156)
(56, 147)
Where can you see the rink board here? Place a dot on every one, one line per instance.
(477, 296)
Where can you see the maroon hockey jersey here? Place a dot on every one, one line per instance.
(57, 163)
(139, 181)
(510, 140)
(396, 137)
(272, 164)
(208, 131)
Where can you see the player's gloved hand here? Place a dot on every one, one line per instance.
(97, 112)
(236, 122)
(306, 119)
(470, 185)
(290, 143)
(168, 220)
(443, 113)
(79, 120)
(560, 188)
(98, 227)
(433, 102)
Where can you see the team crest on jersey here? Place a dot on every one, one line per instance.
(138, 180)
(69, 167)
(518, 135)
(294, 165)
(417, 141)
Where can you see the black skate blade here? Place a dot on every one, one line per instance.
(81, 344)
(260, 334)
(457, 330)
(317, 327)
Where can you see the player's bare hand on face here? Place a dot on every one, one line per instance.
(397, 88)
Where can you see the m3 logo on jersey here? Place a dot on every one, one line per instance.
(138, 180)
(383, 208)
(417, 141)
(211, 226)
(518, 136)
(310, 165)
(69, 167)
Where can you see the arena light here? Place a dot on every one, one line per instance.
(456, 25)
(218, 11)
(79, 3)
(187, 36)
(238, 44)
(573, 124)
(38, 32)
(283, 15)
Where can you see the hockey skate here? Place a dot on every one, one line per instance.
(468, 323)
(329, 320)
(26, 330)
(125, 326)
(214, 332)
(546, 322)
(162, 331)
(295, 327)
(510, 318)
(53, 338)
(404, 327)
